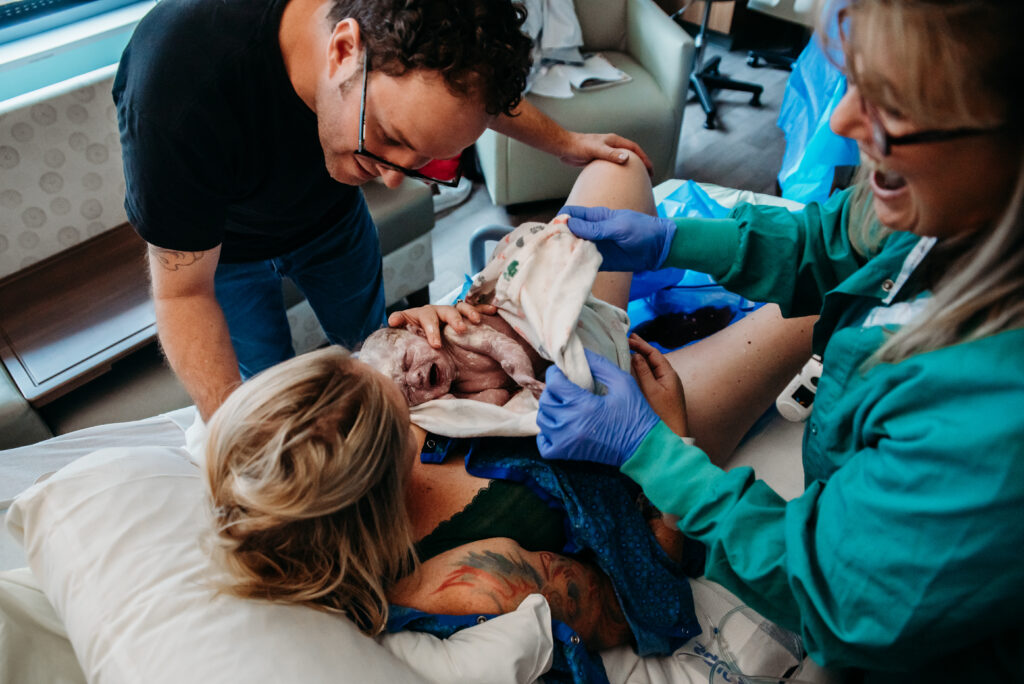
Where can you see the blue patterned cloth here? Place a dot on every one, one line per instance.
(603, 518)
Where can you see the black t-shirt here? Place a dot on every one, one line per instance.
(218, 148)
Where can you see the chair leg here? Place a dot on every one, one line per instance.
(715, 82)
(706, 77)
(709, 79)
(704, 95)
(778, 60)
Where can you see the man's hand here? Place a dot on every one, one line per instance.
(533, 127)
(584, 148)
(660, 384)
(429, 318)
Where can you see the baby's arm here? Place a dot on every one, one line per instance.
(495, 575)
(505, 350)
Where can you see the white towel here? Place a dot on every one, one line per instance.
(539, 278)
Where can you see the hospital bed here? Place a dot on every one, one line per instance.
(118, 587)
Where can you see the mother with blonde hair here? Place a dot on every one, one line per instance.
(310, 501)
(903, 557)
(325, 494)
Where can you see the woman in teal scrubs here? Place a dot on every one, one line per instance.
(904, 557)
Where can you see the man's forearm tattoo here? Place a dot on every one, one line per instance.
(173, 260)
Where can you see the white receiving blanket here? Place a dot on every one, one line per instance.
(539, 278)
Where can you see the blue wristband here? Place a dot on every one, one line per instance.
(465, 289)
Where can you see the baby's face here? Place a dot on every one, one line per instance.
(421, 372)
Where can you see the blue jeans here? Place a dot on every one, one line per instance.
(339, 272)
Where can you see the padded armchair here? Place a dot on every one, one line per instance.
(638, 38)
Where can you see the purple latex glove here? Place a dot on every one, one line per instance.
(626, 239)
(577, 425)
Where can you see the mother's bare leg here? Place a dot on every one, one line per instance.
(731, 378)
(617, 186)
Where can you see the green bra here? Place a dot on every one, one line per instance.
(501, 509)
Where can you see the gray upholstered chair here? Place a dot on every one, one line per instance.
(638, 38)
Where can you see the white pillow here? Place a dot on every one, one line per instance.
(113, 540)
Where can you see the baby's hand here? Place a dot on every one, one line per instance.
(428, 318)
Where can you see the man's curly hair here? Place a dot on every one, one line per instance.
(476, 45)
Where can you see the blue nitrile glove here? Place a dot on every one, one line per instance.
(578, 425)
(628, 240)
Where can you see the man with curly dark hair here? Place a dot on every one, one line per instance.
(247, 127)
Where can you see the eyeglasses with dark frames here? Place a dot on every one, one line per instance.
(363, 152)
(885, 141)
(881, 139)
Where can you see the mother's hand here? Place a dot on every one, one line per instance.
(660, 384)
(429, 318)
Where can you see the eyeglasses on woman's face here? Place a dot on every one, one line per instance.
(381, 161)
(883, 141)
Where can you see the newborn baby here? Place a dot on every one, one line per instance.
(489, 362)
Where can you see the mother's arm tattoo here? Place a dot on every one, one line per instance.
(578, 593)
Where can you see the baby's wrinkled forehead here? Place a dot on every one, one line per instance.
(385, 348)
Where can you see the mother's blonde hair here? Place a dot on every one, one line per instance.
(307, 466)
(964, 61)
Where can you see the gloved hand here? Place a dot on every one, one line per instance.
(578, 425)
(628, 240)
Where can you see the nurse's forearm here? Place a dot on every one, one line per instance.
(738, 517)
(705, 245)
(771, 254)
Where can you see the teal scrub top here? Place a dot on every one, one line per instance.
(906, 550)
